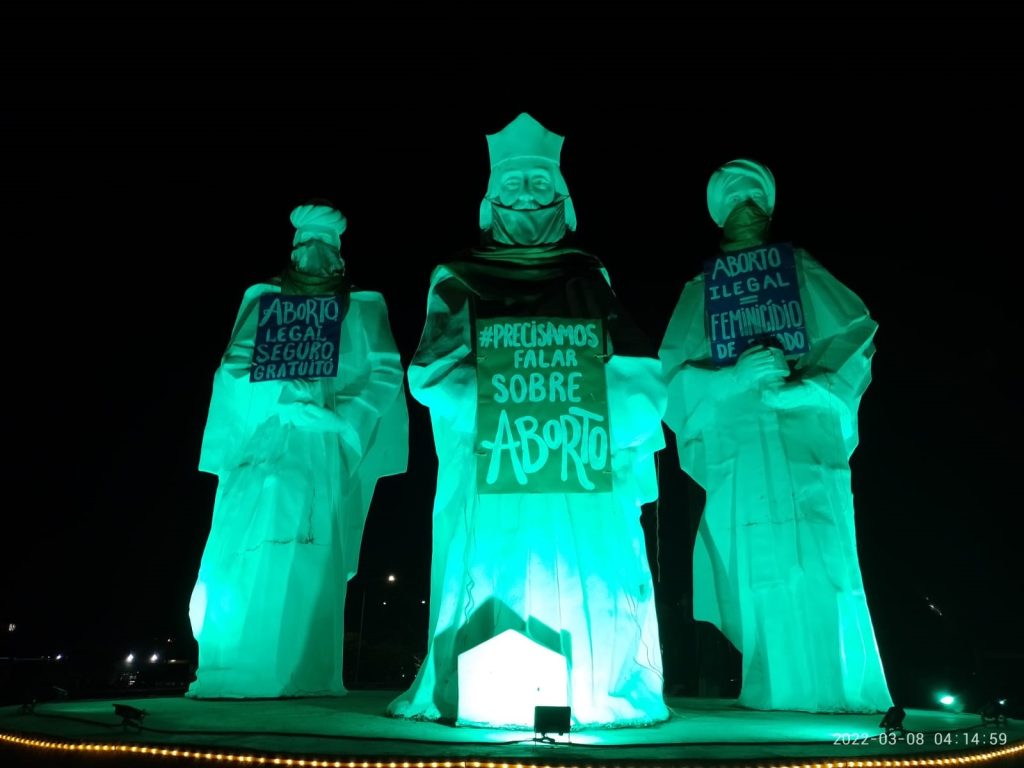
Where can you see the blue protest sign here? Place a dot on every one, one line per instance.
(297, 337)
(752, 297)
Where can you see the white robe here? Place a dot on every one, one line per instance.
(568, 570)
(268, 607)
(775, 563)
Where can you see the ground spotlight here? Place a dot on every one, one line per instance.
(550, 720)
(994, 711)
(40, 694)
(893, 720)
(130, 716)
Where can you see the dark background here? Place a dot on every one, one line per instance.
(148, 178)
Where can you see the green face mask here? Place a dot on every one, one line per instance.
(315, 257)
(746, 224)
(535, 226)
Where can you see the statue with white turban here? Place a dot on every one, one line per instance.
(546, 405)
(767, 356)
(308, 412)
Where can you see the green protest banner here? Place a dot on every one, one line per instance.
(542, 406)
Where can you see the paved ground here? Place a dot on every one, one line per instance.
(700, 731)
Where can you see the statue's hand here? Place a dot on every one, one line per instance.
(760, 368)
(313, 418)
(796, 395)
(300, 391)
(306, 416)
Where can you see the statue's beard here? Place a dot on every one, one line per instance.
(537, 226)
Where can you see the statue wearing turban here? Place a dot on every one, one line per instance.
(763, 400)
(308, 412)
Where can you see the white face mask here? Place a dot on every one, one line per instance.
(534, 226)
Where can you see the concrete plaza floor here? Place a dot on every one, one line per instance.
(355, 730)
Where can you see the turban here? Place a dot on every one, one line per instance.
(318, 222)
(736, 182)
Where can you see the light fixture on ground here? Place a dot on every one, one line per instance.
(994, 711)
(550, 720)
(893, 720)
(130, 716)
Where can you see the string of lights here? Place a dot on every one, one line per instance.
(979, 758)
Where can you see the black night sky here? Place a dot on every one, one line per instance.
(148, 179)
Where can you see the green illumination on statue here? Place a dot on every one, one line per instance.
(307, 413)
(763, 399)
(542, 534)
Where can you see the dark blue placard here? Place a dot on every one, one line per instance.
(752, 297)
(297, 337)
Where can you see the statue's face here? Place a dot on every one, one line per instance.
(317, 258)
(526, 189)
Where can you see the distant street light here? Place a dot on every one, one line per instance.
(362, 616)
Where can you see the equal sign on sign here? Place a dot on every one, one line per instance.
(750, 295)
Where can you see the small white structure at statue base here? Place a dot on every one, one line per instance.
(504, 678)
